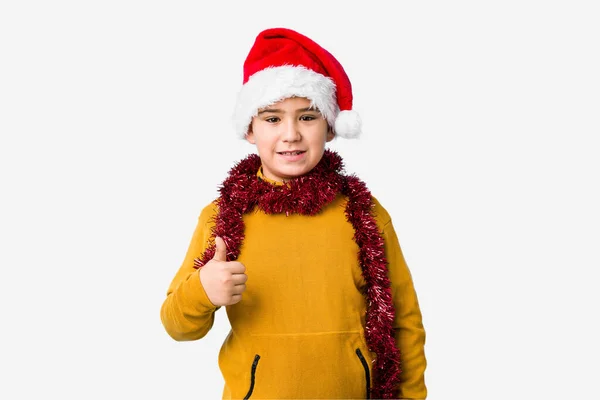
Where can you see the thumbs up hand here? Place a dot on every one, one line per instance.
(224, 281)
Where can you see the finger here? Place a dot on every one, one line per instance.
(238, 289)
(235, 299)
(239, 279)
(236, 267)
(220, 250)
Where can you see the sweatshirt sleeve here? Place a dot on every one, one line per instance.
(408, 325)
(187, 313)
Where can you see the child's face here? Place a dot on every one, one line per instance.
(290, 138)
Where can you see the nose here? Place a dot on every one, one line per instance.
(291, 131)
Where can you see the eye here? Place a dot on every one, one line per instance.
(308, 118)
(272, 120)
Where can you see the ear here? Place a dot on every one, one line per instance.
(250, 135)
(330, 134)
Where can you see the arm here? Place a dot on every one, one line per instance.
(187, 313)
(408, 325)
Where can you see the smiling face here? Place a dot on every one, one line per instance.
(290, 138)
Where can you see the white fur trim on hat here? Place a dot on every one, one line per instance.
(273, 84)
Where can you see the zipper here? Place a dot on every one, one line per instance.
(252, 377)
(367, 372)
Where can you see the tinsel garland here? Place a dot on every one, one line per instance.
(307, 195)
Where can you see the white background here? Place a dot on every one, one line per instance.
(481, 124)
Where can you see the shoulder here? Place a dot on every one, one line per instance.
(382, 217)
(208, 213)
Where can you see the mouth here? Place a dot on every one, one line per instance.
(291, 153)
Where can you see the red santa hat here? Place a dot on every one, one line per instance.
(283, 63)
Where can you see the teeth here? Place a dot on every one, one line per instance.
(291, 152)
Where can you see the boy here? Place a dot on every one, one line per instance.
(319, 297)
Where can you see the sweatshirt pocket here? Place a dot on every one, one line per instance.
(321, 365)
(359, 354)
(252, 376)
(365, 365)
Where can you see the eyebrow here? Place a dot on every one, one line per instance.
(279, 111)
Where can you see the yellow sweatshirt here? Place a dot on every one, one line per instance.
(297, 333)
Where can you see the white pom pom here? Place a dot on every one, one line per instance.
(348, 124)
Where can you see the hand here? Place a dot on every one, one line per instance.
(224, 281)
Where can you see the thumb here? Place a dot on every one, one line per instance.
(220, 250)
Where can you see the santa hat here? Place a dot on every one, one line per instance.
(283, 63)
